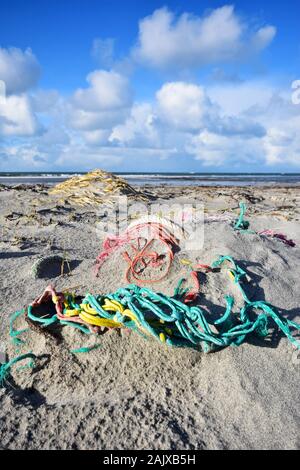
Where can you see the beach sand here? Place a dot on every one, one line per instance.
(137, 394)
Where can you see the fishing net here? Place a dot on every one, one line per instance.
(94, 188)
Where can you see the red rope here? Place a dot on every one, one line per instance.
(142, 257)
(192, 295)
(58, 299)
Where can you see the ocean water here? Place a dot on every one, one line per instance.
(178, 179)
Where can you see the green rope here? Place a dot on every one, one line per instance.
(82, 328)
(85, 349)
(14, 334)
(241, 224)
(44, 321)
(5, 368)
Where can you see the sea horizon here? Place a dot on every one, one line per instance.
(159, 178)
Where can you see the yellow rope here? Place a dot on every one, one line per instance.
(90, 316)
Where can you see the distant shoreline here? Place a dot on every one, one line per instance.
(156, 178)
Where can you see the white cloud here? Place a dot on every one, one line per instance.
(45, 100)
(83, 157)
(184, 120)
(17, 117)
(236, 98)
(94, 120)
(53, 136)
(208, 147)
(186, 107)
(214, 149)
(19, 70)
(263, 38)
(97, 136)
(108, 90)
(242, 126)
(103, 105)
(192, 41)
(139, 129)
(251, 124)
(23, 157)
(282, 143)
(182, 105)
(265, 134)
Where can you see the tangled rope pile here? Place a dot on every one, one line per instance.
(96, 187)
(141, 236)
(169, 320)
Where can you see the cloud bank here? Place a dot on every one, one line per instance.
(183, 125)
(19, 69)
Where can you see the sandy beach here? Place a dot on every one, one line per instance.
(136, 394)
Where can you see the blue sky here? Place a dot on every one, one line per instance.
(162, 86)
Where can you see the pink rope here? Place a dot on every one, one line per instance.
(280, 236)
(50, 294)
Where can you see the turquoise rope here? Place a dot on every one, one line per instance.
(14, 334)
(77, 326)
(241, 224)
(5, 368)
(44, 321)
(85, 349)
